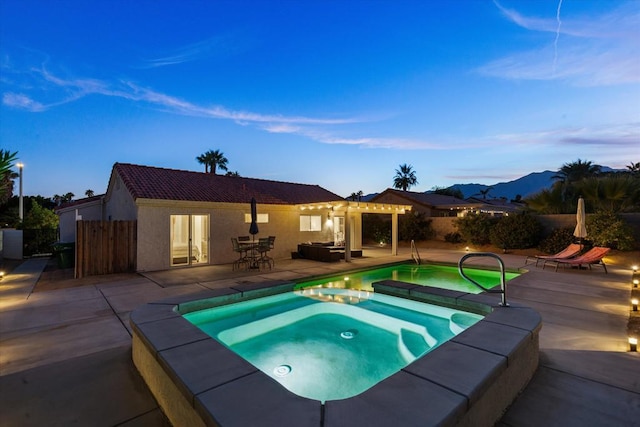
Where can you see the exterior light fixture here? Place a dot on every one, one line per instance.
(1, 275)
(633, 344)
(635, 283)
(466, 249)
(634, 304)
(634, 268)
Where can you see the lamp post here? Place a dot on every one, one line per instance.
(21, 204)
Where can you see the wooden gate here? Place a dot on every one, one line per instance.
(105, 247)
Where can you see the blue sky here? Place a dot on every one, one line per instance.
(329, 92)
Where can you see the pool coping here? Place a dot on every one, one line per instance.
(469, 380)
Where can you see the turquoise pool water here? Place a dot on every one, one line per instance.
(438, 276)
(328, 344)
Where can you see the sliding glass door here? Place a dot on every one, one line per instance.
(189, 239)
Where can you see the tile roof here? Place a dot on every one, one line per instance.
(429, 199)
(169, 184)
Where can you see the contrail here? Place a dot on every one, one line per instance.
(555, 43)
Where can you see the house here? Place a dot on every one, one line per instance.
(86, 209)
(495, 206)
(430, 204)
(186, 218)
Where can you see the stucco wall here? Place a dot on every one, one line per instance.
(119, 205)
(89, 212)
(226, 220)
(443, 226)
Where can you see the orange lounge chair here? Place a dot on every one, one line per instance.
(592, 257)
(569, 252)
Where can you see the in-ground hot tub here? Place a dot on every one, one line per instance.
(330, 344)
(468, 380)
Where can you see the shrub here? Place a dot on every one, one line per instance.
(475, 228)
(375, 228)
(453, 238)
(559, 239)
(415, 226)
(519, 231)
(608, 229)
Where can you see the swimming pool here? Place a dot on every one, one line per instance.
(468, 380)
(433, 275)
(330, 344)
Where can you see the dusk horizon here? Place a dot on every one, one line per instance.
(332, 94)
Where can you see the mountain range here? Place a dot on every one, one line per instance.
(524, 186)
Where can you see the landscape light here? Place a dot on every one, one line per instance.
(633, 344)
(634, 304)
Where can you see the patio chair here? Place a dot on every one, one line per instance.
(593, 256)
(569, 252)
(264, 247)
(242, 254)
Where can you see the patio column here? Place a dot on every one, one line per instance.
(347, 236)
(394, 233)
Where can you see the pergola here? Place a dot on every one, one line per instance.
(352, 212)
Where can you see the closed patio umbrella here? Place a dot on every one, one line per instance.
(581, 229)
(253, 228)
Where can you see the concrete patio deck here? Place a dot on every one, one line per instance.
(65, 355)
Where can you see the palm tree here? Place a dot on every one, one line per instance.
(356, 196)
(405, 178)
(484, 193)
(614, 193)
(577, 171)
(89, 193)
(6, 176)
(571, 173)
(634, 168)
(212, 160)
(204, 159)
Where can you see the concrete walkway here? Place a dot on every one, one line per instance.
(65, 355)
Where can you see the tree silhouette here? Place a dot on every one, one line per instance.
(405, 177)
(213, 159)
(356, 196)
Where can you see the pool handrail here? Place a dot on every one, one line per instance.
(416, 256)
(503, 282)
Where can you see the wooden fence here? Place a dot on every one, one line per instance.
(105, 247)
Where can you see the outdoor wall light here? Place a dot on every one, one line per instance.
(1, 275)
(634, 304)
(466, 249)
(635, 268)
(635, 283)
(633, 344)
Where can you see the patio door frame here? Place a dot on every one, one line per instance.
(193, 253)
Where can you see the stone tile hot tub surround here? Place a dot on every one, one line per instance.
(467, 381)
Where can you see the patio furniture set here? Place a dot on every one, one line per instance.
(253, 254)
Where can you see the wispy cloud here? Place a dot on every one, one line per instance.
(214, 46)
(22, 102)
(593, 51)
(618, 135)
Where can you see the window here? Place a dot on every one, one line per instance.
(263, 218)
(310, 223)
